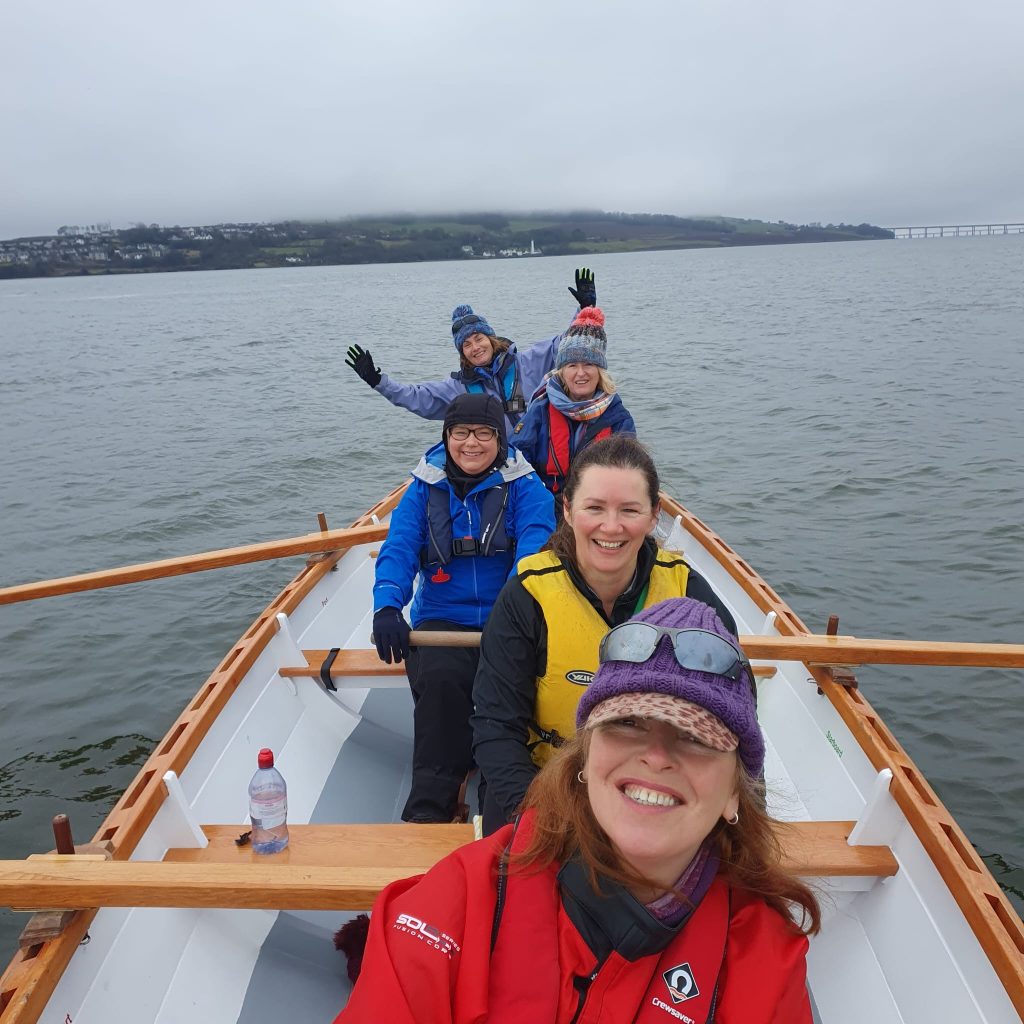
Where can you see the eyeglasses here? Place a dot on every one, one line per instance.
(696, 649)
(480, 433)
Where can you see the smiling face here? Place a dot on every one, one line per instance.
(478, 349)
(610, 515)
(657, 794)
(580, 380)
(472, 455)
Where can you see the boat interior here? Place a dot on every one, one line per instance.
(896, 946)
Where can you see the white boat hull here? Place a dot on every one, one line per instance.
(897, 950)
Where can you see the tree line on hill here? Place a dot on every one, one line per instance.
(408, 238)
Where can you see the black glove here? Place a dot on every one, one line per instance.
(585, 292)
(362, 362)
(391, 635)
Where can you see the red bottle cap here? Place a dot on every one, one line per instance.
(266, 758)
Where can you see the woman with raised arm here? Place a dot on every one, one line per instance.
(643, 881)
(539, 650)
(488, 364)
(575, 405)
(473, 506)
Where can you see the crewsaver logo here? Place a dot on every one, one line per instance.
(680, 982)
(579, 677)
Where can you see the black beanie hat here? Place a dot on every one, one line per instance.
(483, 409)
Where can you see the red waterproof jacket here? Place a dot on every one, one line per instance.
(428, 958)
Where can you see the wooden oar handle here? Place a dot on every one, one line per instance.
(443, 638)
(440, 638)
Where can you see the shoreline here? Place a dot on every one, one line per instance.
(64, 271)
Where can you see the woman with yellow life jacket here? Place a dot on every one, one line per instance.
(474, 504)
(643, 881)
(575, 406)
(539, 647)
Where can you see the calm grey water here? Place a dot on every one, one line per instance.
(847, 416)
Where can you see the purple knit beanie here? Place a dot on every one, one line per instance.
(729, 701)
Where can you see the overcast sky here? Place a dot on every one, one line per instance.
(895, 112)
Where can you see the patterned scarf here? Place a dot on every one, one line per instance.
(678, 903)
(584, 411)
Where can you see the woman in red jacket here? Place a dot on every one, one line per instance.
(643, 881)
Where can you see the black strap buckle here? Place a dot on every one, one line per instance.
(325, 669)
(554, 737)
(465, 546)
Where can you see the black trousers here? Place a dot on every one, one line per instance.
(494, 817)
(441, 680)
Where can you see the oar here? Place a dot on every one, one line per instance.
(848, 650)
(325, 540)
(814, 649)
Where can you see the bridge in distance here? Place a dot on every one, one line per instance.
(957, 230)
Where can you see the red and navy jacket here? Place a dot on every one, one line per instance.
(446, 948)
(550, 440)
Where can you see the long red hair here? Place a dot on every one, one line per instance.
(750, 852)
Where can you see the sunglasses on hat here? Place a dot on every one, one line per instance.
(696, 649)
(465, 320)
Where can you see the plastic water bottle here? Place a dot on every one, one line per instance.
(268, 806)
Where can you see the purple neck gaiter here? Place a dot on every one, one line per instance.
(678, 903)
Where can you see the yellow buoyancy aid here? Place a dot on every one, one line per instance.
(575, 629)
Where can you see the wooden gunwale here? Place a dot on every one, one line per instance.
(988, 911)
(30, 978)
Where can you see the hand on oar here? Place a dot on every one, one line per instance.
(391, 635)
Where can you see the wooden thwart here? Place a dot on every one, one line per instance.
(810, 847)
(332, 867)
(360, 662)
(409, 848)
(323, 541)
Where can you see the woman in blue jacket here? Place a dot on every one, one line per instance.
(473, 508)
(576, 404)
(488, 364)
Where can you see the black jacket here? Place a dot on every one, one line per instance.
(513, 655)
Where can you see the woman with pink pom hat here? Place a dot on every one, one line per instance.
(575, 405)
